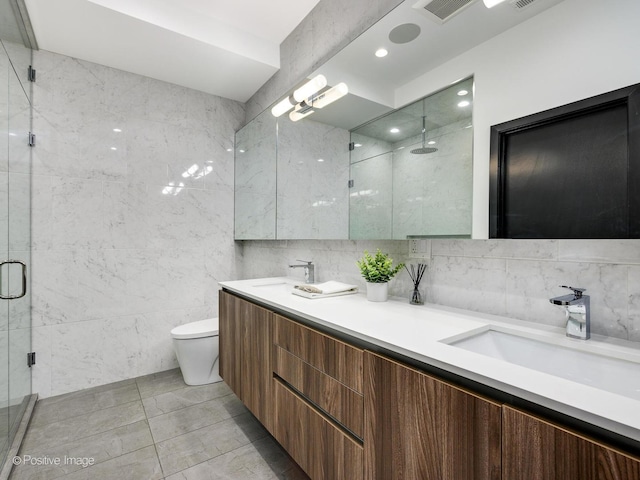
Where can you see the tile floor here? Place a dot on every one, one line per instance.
(150, 428)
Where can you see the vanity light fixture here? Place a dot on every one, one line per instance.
(190, 171)
(282, 107)
(492, 3)
(321, 100)
(334, 93)
(302, 110)
(314, 85)
(381, 52)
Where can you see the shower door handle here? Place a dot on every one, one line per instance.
(24, 280)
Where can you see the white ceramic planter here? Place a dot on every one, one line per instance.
(377, 292)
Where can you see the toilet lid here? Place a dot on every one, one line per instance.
(203, 328)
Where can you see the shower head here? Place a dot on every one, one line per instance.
(424, 149)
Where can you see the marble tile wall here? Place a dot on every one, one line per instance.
(432, 192)
(516, 278)
(132, 219)
(371, 198)
(256, 178)
(334, 260)
(513, 278)
(312, 181)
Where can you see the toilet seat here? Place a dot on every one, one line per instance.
(200, 329)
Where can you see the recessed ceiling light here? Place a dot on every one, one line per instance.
(321, 159)
(381, 52)
(241, 151)
(229, 150)
(117, 130)
(357, 145)
(432, 142)
(462, 93)
(492, 3)
(113, 148)
(395, 130)
(464, 103)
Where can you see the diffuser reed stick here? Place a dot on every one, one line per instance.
(416, 273)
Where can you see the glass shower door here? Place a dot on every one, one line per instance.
(4, 251)
(15, 239)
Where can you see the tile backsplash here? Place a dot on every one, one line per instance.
(513, 278)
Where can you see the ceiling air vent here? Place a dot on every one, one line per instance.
(442, 10)
(520, 4)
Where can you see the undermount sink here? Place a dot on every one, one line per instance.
(588, 363)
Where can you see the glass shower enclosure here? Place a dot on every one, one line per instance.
(15, 231)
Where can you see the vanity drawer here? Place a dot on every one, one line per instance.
(340, 402)
(333, 357)
(321, 449)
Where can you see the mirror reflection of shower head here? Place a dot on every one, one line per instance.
(424, 149)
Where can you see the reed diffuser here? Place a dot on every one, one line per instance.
(416, 273)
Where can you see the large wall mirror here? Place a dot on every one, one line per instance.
(255, 179)
(307, 195)
(411, 169)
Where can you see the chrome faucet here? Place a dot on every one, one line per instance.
(309, 269)
(578, 311)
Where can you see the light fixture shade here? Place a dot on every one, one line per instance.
(331, 95)
(281, 107)
(314, 85)
(299, 115)
(492, 3)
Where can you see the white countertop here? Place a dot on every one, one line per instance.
(416, 331)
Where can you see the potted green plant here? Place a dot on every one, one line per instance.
(377, 270)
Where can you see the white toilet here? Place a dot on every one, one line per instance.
(196, 345)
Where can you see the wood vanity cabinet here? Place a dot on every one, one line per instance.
(318, 401)
(245, 354)
(535, 449)
(344, 413)
(419, 427)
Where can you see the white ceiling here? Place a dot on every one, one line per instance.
(228, 48)
(231, 48)
(375, 81)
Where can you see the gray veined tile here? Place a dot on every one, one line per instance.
(184, 397)
(82, 426)
(261, 460)
(49, 412)
(195, 447)
(195, 417)
(100, 448)
(161, 382)
(142, 464)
